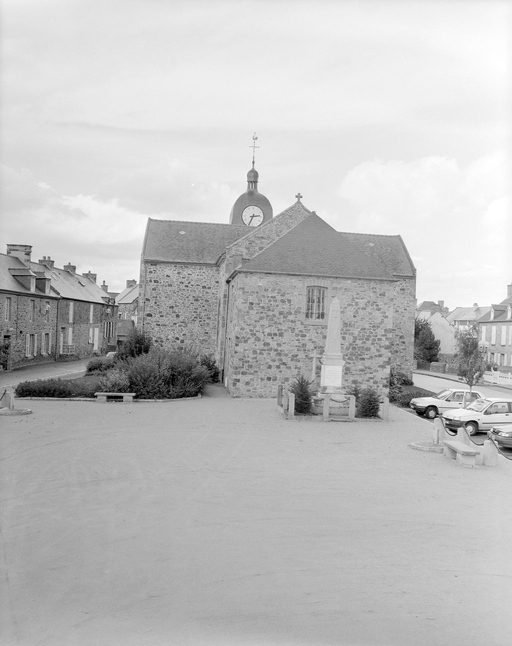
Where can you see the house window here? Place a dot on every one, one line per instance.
(46, 311)
(46, 343)
(71, 311)
(31, 345)
(32, 310)
(91, 313)
(8, 308)
(315, 303)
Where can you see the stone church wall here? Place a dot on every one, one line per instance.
(403, 325)
(180, 304)
(269, 341)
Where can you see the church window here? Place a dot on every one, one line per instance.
(315, 303)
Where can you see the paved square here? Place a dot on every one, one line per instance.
(216, 522)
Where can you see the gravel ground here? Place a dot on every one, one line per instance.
(215, 522)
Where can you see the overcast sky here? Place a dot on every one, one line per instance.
(389, 117)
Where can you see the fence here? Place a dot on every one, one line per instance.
(497, 377)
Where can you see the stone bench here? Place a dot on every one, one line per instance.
(461, 452)
(105, 397)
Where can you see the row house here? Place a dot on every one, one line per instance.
(51, 314)
(495, 330)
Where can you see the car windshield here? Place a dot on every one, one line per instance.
(479, 405)
(443, 394)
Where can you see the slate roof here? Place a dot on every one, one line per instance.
(128, 295)
(468, 313)
(193, 242)
(500, 313)
(71, 285)
(314, 248)
(7, 281)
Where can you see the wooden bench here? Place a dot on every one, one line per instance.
(462, 453)
(105, 397)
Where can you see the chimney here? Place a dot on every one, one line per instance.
(475, 305)
(104, 287)
(21, 251)
(90, 276)
(441, 304)
(131, 283)
(46, 260)
(70, 267)
(509, 291)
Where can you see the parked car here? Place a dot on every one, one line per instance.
(502, 435)
(481, 415)
(444, 400)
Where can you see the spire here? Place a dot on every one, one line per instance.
(252, 175)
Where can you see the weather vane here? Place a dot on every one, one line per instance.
(254, 146)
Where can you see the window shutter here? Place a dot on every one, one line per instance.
(27, 345)
(35, 345)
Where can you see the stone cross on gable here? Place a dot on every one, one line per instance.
(298, 196)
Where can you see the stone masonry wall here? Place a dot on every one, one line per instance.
(403, 325)
(20, 324)
(269, 342)
(246, 248)
(179, 304)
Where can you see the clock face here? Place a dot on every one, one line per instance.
(252, 216)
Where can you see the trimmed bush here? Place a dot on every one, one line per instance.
(114, 381)
(368, 403)
(399, 378)
(99, 364)
(303, 401)
(59, 388)
(165, 374)
(136, 344)
(208, 361)
(405, 398)
(395, 393)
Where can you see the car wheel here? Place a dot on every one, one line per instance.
(431, 412)
(471, 428)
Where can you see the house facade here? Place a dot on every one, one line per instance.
(256, 293)
(50, 314)
(495, 333)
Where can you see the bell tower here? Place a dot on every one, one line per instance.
(252, 208)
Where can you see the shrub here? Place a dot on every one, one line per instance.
(114, 381)
(405, 398)
(355, 390)
(399, 378)
(368, 403)
(210, 364)
(137, 343)
(59, 388)
(162, 374)
(99, 364)
(300, 388)
(395, 392)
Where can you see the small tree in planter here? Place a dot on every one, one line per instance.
(303, 397)
(368, 403)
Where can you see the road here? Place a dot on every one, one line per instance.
(11, 379)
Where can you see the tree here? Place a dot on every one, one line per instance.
(426, 346)
(470, 357)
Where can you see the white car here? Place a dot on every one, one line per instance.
(443, 401)
(481, 415)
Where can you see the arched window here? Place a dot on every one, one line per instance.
(315, 303)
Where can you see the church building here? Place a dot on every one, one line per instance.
(256, 292)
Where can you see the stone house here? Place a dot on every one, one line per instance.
(495, 332)
(50, 314)
(256, 293)
(127, 302)
(466, 317)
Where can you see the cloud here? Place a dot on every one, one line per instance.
(456, 222)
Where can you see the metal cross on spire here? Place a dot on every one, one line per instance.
(254, 146)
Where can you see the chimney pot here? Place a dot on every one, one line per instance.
(46, 260)
(70, 267)
(104, 287)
